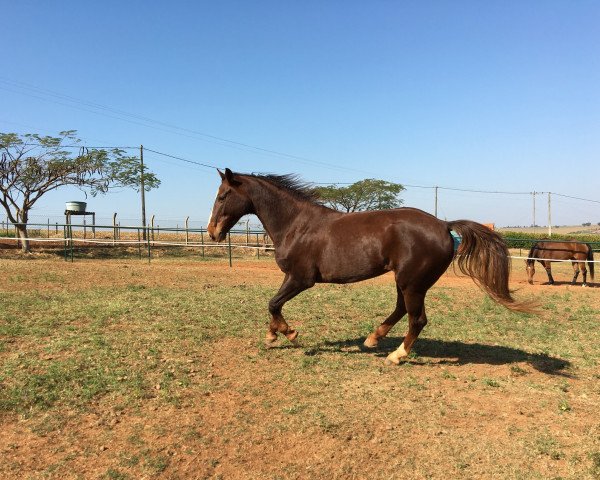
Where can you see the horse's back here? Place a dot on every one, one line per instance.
(556, 250)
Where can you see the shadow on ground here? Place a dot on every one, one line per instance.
(451, 352)
(559, 283)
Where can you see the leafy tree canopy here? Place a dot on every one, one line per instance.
(368, 194)
(32, 165)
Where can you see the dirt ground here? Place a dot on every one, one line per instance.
(255, 414)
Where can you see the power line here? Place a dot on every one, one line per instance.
(175, 157)
(81, 146)
(181, 158)
(575, 198)
(41, 91)
(483, 191)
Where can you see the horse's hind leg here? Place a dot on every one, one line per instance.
(415, 305)
(383, 329)
(584, 272)
(288, 290)
(576, 273)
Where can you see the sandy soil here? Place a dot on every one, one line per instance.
(245, 418)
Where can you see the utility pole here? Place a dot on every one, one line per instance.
(549, 217)
(533, 211)
(142, 191)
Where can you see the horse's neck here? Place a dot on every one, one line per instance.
(278, 211)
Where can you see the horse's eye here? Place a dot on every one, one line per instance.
(222, 196)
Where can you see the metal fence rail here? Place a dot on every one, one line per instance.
(71, 238)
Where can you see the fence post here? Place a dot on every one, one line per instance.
(48, 228)
(114, 228)
(139, 244)
(257, 248)
(187, 233)
(152, 224)
(229, 243)
(202, 240)
(148, 240)
(65, 239)
(70, 231)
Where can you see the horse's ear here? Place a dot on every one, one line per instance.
(230, 178)
(221, 173)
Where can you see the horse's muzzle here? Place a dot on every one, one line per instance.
(211, 232)
(215, 233)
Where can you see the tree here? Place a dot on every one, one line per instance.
(368, 194)
(32, 165)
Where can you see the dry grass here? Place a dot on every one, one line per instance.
(120, 369)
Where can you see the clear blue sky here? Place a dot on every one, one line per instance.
(497, 95)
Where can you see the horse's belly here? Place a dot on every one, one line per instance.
(350, 265)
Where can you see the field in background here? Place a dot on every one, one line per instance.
(119, 369)
(559, 230)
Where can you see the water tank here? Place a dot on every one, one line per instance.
(75, 206)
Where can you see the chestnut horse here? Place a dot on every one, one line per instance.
(316, 244)
(546, 251)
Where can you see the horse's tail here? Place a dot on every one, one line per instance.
(590, 260)
(483, 256)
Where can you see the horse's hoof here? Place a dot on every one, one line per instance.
(370, 342)
(270, 339)
(292, 336)
(392, 359)
(391, 363)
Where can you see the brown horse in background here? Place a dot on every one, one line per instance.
(316, 244)
(547, 251)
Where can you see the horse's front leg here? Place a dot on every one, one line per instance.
(289, 289)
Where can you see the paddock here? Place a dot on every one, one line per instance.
(117, 368)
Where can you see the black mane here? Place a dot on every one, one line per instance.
(292, 184)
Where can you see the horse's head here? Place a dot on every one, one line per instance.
(230, 205)
(530, 267)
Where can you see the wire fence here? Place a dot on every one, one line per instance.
(104, 241)
(99, 241)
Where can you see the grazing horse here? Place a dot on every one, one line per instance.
(315, 244)
(547, 251)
